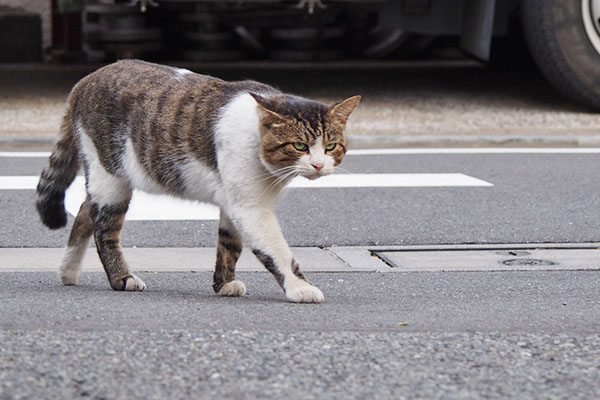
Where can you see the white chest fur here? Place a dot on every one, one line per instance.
(238, 140)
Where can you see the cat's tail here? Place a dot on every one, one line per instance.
(62, 169)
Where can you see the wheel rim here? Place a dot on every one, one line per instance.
(590, 10)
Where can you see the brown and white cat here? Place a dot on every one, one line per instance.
(137, 125)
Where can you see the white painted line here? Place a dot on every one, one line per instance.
(143, 206)
(150, 207)
(389, 180)
(400, 151)
(18, 182)
(477, 150)
(331, 181)
(24, 154)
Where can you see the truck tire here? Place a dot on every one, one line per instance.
(563, 37)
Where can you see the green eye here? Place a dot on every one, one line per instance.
(330, 146)
(300, 146)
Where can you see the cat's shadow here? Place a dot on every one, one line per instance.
(155, 293)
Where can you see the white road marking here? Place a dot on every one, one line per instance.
(388, 180)
(146, 206)
(24, 154)
(18, 182)
(401, 151)
(476, 150)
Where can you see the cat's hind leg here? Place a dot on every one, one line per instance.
(229, 248)
(108, 221)
(109, 198)
(79, 239)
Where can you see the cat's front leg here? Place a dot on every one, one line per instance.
(296, 286)
(229, 249)
(262, 233)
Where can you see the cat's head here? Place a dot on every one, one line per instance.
(302, 135)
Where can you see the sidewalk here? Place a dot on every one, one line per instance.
(406, 104)
(338, 259)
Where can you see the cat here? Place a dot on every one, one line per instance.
(160, 129)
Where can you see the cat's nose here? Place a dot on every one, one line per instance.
(318, 166)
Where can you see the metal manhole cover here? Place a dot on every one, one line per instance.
(490, 259)
(528, 262)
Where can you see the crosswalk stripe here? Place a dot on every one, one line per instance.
(475, 150)
(146, 206)
(401, 151)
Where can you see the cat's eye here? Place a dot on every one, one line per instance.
(300, 146)
(330, 146)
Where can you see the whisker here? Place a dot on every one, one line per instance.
(280, 179)
(344, 170)
(285, 177)
(269, 175)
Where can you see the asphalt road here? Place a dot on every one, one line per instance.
(393, 336)
(438, 335)
(536, 198)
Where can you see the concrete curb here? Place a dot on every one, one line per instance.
(448, 258)
(165, 259)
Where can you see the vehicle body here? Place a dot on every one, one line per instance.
(562, 35)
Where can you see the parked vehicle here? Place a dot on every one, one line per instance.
(563, 36)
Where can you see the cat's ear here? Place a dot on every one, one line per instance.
(340, 112)
(268, 106)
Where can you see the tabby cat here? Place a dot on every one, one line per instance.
(137, 125)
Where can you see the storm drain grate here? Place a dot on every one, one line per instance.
(464, 259)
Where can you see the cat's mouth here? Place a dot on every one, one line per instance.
(314, 176)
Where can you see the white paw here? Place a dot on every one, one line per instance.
(233, 288)
(305, 294)
(134, 284)
(69, 276)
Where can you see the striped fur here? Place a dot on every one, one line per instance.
(57, 177)
(136, 125)
(229, 248)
